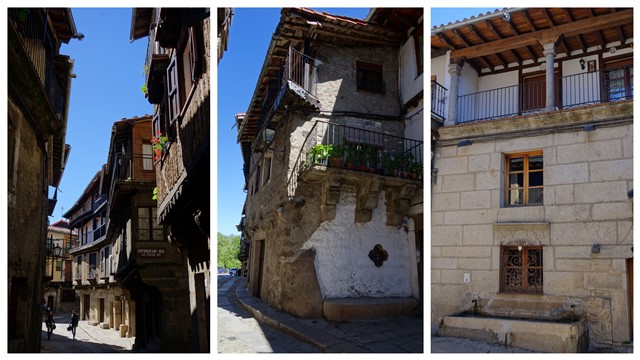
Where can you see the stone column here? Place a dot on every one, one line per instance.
(550, 53)
(454, 70)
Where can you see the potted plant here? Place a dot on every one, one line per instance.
(319, 153)
(416, 170)
(371, 156)
(405, 161)
(160, 144)
(350, 157)
(335, 155)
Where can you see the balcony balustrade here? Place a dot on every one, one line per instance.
(298, 69)
(133, 168)
(38, 41)
(438, 98)
(357, 149)
(582, 89)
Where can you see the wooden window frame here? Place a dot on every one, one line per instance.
(525, 174)
(266, 169)
(147, 157)
(614, 63)
(364, 73)
(173, 95)
(152, 221)
(531, 276)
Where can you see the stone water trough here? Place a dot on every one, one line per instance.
(539, 335)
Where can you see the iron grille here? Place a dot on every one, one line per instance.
(521, 269)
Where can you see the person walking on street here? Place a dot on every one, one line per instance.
(51, 323)
(74, 323)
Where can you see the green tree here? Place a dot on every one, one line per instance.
(228, 249)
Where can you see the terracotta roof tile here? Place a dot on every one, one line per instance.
(471, 18)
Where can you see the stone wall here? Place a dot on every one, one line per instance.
(586, 178)
(336, 84)
(26, 230)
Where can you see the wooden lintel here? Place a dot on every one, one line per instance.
(547, 35)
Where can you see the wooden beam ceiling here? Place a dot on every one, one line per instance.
(553, 34)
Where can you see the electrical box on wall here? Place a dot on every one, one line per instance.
(467, 278)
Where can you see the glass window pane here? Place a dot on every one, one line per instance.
(536, 196)
(143, 234)
(535, 162)
(516, 164)
(516, 180)
(158, 235)
(515, 197)
(535, 178)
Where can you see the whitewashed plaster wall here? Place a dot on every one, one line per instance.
(410, 82)
(414, 125)
(342, 263)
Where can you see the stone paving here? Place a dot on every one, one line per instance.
(397, 335)
(89, 339)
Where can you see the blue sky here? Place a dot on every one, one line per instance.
(107, 88)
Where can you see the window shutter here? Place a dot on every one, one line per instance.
(193, 55)
(172, 89)
(155, 124)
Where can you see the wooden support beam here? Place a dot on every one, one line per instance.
(547, 35)
(515, 55)
(620, 31)
(603, 43)
(446, 41)
(529, 22)
(583, 46)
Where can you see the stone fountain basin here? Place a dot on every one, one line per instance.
(539, 335)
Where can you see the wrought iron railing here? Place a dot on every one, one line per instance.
(297, 68)
(502, 102)
(100, 232)
(40, 45)
(593, 87)
(133, 168)
(438, 98)
(358, 149)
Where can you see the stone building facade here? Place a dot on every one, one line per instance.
(58, 293)
(532, 211)
(39, 86)
(143, 262)
(178, 60)
(101, 301)
(327, 240)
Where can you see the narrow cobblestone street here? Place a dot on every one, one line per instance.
(239, 332)
(89, 339)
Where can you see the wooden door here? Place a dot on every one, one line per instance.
(101, 311)
(87, 305)
(534, 92)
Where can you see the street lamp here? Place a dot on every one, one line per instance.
(53, 252)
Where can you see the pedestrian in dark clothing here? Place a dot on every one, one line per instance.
(74, 323)
(50, 322)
